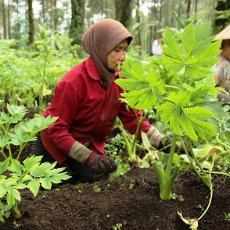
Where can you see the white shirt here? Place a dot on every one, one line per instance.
(156, 48)
(222, 70)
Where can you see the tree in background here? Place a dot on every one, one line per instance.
(123, 12)
(77, 20)
(4, 20)
(222, 14)
(146, 19)
(30, 21)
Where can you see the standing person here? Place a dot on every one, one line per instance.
(86, 102)
(157, 47)
(223, 67)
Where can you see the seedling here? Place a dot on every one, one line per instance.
(31, 173)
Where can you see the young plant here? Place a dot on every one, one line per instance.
(31, 173)
(188, 58)
(130, 142)
(18, 132)
(141, 91)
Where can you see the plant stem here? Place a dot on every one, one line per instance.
(172, 87)
(221, 173)
(20, 150)
(4, 155)
(170, 159)
(209, 203)
(127, 141)
(222, 143)
(211, 193)
(194, 157)
(133, 146)
(43, 78)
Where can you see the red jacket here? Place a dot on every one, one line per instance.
(86, 112)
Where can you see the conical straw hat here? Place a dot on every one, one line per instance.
(224, 34)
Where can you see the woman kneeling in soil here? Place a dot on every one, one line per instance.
(86, 102)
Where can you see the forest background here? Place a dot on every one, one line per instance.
(23, 20)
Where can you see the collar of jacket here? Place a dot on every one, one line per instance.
(92, 70)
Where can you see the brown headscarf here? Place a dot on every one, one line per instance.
(100, 39)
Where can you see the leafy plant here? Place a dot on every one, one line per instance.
(187, 62)
(30, 174)
(27, 75)
(18, 132)
(188, 58)
(130, 142)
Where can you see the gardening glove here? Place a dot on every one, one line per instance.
(79, 152)
(100, 163)
(95, 162)
(224, 98)
(154, 136)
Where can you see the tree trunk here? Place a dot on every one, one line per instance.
(138, 20)
(196, 6)
(123, 11)
(4, 20)
(161, 13)
(43, 11)
(222, 6)
(9, 20)
(17, 9)
(153, 28)
(188, 8)
(30, 21)
(55, 16)
(77, 20)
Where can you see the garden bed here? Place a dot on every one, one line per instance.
(129, 202)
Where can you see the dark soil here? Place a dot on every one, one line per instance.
(131, 202)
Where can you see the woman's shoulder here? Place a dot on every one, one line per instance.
(76, 72)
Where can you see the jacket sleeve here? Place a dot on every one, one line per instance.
(65, 103)
(129, 119)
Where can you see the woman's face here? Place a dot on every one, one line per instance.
(117, 56)
(226, 49)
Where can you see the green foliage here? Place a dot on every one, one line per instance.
(190, 54)
(142, 88)
(31, 174)
(115, 146)
(186, 120)
(33, 73)
(187, 65)
(16, 131)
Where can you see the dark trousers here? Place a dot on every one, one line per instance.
(77, 170)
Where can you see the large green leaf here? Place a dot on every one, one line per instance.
(189, 121)
(191, 54)
(142, 88)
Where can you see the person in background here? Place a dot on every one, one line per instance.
(156, 47)
(223, 67)
(86, 102)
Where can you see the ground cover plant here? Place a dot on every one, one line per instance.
(28, 75)
(31, 173)
(132, 201)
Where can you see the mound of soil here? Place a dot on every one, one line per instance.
(129, 202)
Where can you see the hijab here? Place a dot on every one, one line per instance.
(99, 40)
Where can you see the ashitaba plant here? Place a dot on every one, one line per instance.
(31, 173)
(179, 89)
